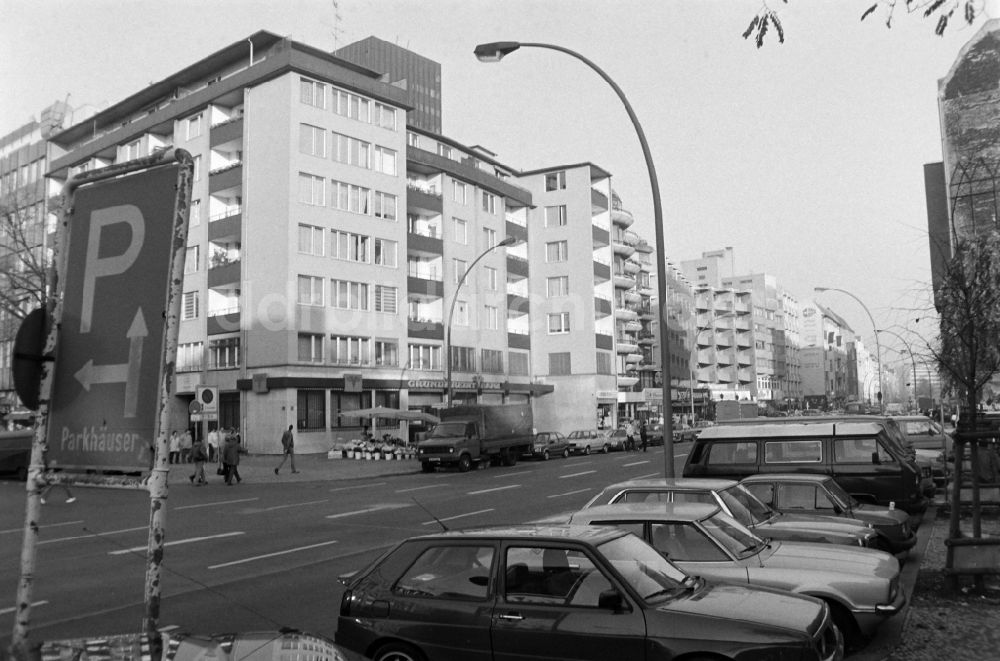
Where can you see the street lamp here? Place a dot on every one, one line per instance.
(509, 241)
(912, 359)
(496, 51)
(878, 349)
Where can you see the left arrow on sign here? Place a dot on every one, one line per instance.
(127, 373)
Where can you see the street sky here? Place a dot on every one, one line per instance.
(806, 157)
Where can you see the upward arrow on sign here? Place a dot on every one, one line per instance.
(127, 373)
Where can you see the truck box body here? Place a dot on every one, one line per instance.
(474, 433)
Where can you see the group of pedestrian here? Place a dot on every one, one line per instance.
(181, 447)
(635, 428)
(222, 446)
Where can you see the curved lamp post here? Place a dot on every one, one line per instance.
(509, 241)
(878, 349)
(913, 360)
(494, 52)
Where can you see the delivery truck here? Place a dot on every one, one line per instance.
(477, 434)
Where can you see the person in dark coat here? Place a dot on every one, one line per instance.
(231, 459)
(643, 435)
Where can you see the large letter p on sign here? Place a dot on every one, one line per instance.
(114, 265)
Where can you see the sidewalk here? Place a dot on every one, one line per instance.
(259, 469)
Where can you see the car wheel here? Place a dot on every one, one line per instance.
(566, 453)
(398, 652)
(586, 449)
(545, 455)
(853, 638)
(464, 463)
(607, 448)
(509, 457)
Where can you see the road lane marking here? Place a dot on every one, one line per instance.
(457, 516)
(429, 486)
(635, 463)
(281, 507)
(568, 493)
(136, 549)
(476, 493)
(6, 611)
(92, 535)
(218, 502)
(648, 475)
(563, 477)
(375, 508)
(359, 486)
(272, 555)
(46, 527)
(515, 474)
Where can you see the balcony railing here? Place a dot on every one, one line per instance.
(233, 210)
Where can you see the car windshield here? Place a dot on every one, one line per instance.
(744, 506)
(648, 573)
(448, 429)
(575, 434)
(737, 539)
(842, 498)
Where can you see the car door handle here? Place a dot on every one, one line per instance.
(516, 617)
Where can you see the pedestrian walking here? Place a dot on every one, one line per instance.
(175, 447)
(199, 455)
(70, 498)
(288, 447)
(187, 445)
(643, 435)
(214, 445)
(231, 459)
(629, 436)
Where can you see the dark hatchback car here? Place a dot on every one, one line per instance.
(576, 593)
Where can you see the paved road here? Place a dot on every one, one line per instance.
(266, 553)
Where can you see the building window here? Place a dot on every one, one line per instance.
(603, 362)
(459, 266)
(224, 353)
(557, 286)
(348, 197)
(132, 151)
(518, 363)
(463, 359)
(555, 216)
(346, 350)
(193, 125)
(197, 168)
(385, 160)
(346, 295)
(190, 357)
(385, 299)
(311, 189)
(194, 216)
(311, 240)
(425, 357)
(189, 306)
(555, 181)
(492, 361)
(352, 151)
(461, 313)
(489, 238)
(489, 202)
(312, 93)
(460, 230)
(559, 363)
(349, 246)
(412, 139)
(445, 151)
(491, 278)
(310, 290)
(311, 409)
(384, 116)
(353, 106)
(492, 321)
(384, 253)
(558, 323)
(385, 206)
(460, 192)
(556, 251)
(191, 263)
(386, 353)
(310, 347)
(312, 140)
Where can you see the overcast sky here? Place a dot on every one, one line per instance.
(806, 157)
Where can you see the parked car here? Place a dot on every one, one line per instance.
(585, 441)
(736, 501)
(929, 442)
(616, 440)
(690, 433)
(548, 444)
(15, 452)
(566, 592)
(861, 586)
(820, 494)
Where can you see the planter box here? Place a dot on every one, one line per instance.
(974, 555)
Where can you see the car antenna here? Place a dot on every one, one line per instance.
(430, 514)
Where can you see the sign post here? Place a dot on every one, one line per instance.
(106, 383)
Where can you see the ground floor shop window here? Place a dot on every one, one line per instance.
(311, 409)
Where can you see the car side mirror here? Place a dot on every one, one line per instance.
(611, 600)
(875, 459)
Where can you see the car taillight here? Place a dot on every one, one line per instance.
(345, 603)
